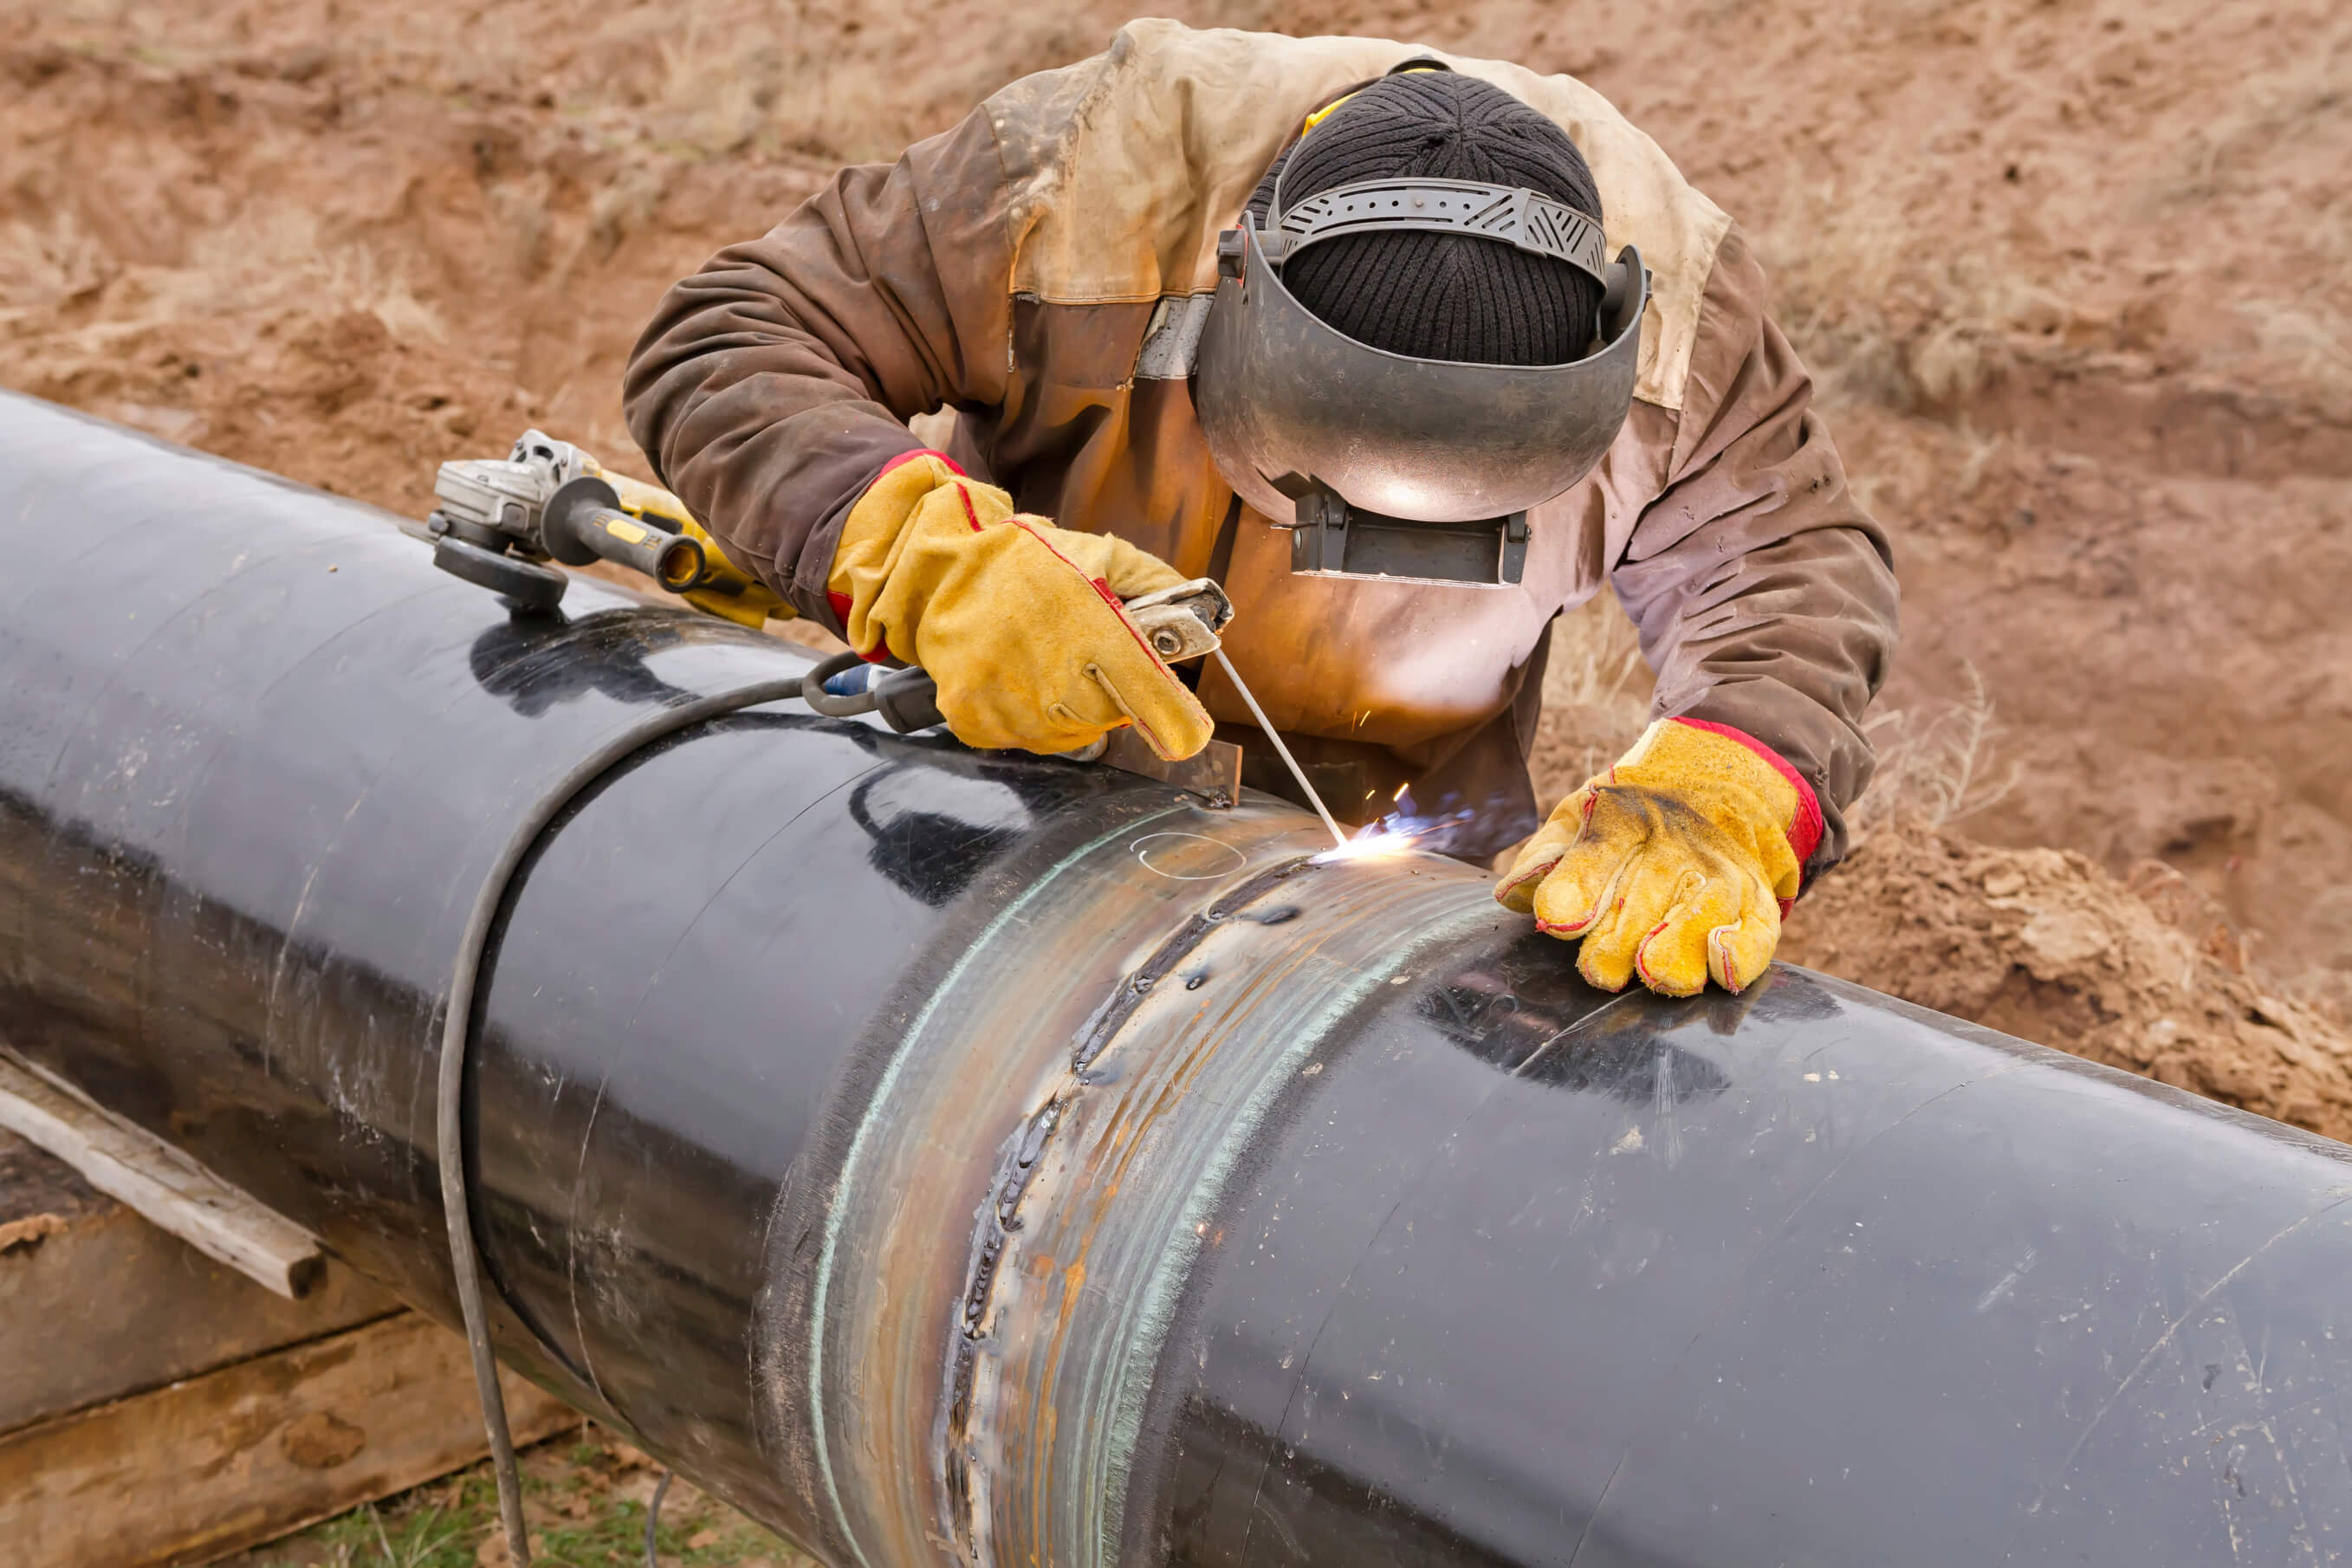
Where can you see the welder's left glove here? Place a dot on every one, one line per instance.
(1674, 865)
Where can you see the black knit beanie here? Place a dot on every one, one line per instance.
(1441, 295)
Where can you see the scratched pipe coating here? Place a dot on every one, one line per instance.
(950, 1157)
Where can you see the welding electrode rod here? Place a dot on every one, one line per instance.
(1290, 761)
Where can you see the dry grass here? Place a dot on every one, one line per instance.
(2268, 106)
(1596, 657)
(721, 94)
(775, 79)
(354, 277)
(42, 268)
(2311, 342)
(1596, 697)
(520, 206)
(277, 258)
(2304, 338)
(625, 204)
(1937, 765)
(1882, 316)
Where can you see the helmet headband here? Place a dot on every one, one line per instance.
(1514, 215)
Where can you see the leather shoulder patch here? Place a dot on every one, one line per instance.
(1173, 337)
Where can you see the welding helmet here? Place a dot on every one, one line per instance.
(1383, 464)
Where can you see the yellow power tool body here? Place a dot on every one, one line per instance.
(724, 589)
(501, 523)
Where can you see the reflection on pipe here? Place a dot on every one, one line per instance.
(952, 1158)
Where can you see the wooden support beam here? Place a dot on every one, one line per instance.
(168, 1187)
(200, 1468)
(96, 1304)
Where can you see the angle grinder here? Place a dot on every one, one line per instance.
(508, 524)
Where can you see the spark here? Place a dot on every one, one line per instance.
(1399, 832)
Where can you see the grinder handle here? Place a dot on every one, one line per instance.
(582, 522)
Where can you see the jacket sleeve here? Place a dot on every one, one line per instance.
(1764, 593)
(773, 384)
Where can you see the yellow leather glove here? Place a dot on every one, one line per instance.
(1019, 622)
(1674, 865)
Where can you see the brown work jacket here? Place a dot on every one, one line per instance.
(1042, 270)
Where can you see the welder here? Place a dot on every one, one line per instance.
(1411, 353)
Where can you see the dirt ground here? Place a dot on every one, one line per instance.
(2075, 277)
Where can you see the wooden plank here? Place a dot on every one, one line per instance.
(170, 1188)
(202, 1468)
(97, 1304)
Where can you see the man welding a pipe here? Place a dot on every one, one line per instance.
(1411, 353)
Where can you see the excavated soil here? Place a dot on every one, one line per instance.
(2044, 943)
(2075, 276)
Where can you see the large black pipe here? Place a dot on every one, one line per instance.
(965, 1158)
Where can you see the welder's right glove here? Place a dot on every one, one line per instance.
(1677, 864)
(1019, 622)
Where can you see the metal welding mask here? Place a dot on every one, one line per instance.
(1388, 465)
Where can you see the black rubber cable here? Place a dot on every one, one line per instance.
(457, 1027)
(653, 1516)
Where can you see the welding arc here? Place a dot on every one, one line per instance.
(456, 1027)
(1273, 735)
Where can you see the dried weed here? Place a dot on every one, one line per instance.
(1595, 656)
(285, 259)
(626, 204)
(277, 260)
(1596, 697)
(718, 96)
(1936, 764)
(1882, 318)
(2308, 340)
(42, 268)
(2269, 105)
(775, 79)
(521, 208)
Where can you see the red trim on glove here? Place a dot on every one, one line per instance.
(1805, 832)
(840, 605)
(903, 458)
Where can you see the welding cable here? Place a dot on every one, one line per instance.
(457, 1027)
(653, 1516)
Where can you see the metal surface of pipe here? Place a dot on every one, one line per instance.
(954, 1157)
